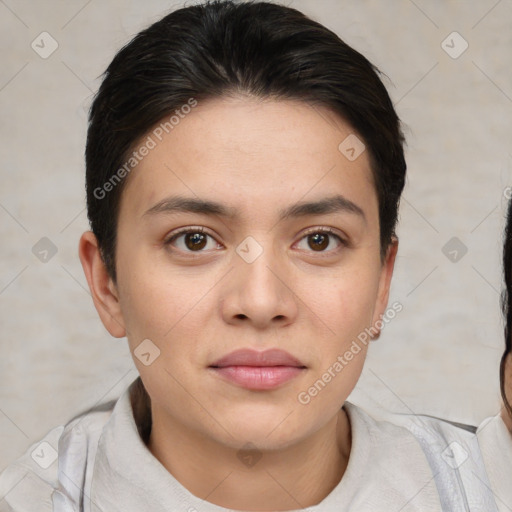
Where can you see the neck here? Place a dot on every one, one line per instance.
(298, 476)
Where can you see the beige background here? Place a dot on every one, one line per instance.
(439, 356)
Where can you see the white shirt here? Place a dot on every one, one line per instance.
(495, 441)
(103, 464)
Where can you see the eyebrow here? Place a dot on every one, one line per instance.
(334, 204)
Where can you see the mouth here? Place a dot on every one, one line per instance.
(258, 370)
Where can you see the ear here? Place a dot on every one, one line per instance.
(386, 274)
(103, 290)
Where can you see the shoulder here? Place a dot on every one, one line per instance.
(493, 433)
(450, 450)
(387, 466)
(29, 483)
(420, 436)
(495, 441)
(413, 426)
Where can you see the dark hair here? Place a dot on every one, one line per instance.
(220, 48)
(506, 303)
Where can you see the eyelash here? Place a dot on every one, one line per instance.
(200, 229)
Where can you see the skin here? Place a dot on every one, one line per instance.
(258, 156)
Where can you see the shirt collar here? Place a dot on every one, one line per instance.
(127, 477)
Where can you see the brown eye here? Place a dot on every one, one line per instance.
(195, 241)
(320, 240)
(192, 240)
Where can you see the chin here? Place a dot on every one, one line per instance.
(267, 433)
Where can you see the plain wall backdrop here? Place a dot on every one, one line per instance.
(440, 354)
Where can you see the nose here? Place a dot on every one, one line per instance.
(260, 293)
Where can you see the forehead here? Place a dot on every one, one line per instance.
(250, 152)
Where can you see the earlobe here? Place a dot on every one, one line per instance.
(103, 290)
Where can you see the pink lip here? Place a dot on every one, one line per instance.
(258, 370)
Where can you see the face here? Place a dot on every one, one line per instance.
(273, 246)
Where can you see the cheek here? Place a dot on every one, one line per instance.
(166, 305)
(347, 309)
(348, 302)
(150, 299)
